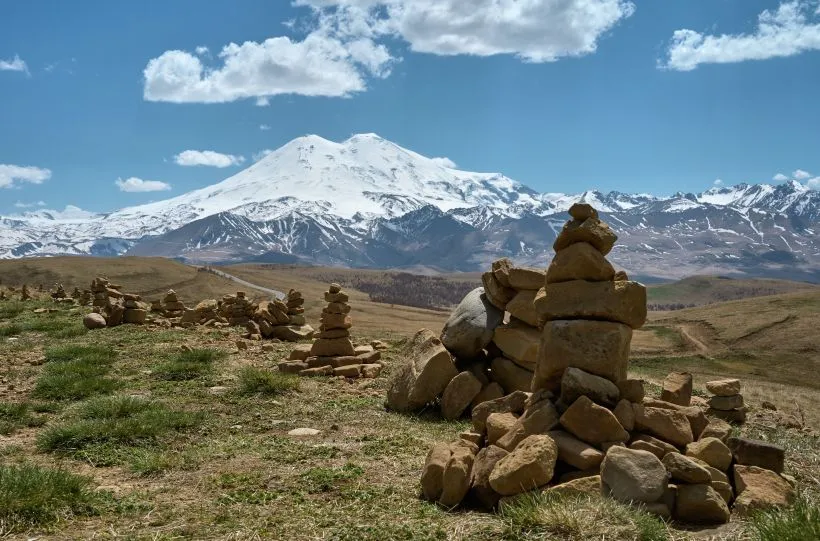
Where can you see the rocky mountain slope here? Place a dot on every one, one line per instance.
(367, 202)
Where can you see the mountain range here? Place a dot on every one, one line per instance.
(367, 202)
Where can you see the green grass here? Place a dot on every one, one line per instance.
(796, 523)
(12, 309)
(73, 380)
(104, 422)
(12, 329)
(327, 479)
(543, 515)
(32, 495)
(188, 365)
(266, 382)
(17, 415)
(70, 352)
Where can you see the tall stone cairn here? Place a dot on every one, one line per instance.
(24, 293)
(588, 310)
(59, 293)
(332, 353)
(112, 307)
(237, 309)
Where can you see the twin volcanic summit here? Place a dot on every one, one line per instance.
(367, 202)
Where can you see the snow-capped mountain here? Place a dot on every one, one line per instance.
(369, 202)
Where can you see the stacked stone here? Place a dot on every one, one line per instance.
(76, 294)
(2, 295)
(586, 427)
(25, 294)
(205, 313)
(113, 307)
(156, 306)
(333, 353)
(171, 305)
(237, 309)
(86, 297)
(726, 401)
(284, 320)
(59, 293)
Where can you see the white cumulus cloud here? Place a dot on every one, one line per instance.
(11, 176)
(445, 162)
(813, 183)
(21, 205)
(801, 175)
(718, 182)
(791, 29)
(201, 50)
(134, 184)
(264, 127)
(780, 177)
(208, 158)
(346, 42)
(15, 64)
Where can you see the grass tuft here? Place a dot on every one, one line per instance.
(69, 352)
(73, 380)
(327, 479)
(12, 329)
(116, 420)
(188, 365)
(796, 523)
(17, 415)
(254, 380)
(31, 495)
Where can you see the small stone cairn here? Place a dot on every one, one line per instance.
(112, 307)
(333, 353)
(586, 427)
(284, 320)
(237, 309)
(25, 295)
(76, 294)
(172, 307)
(59, 293)
(726, 401)
(204, 313)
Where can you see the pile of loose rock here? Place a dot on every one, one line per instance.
(478, 356)
(586, 427)
(726, 401)
(113, 307)
(333, 353)
(284, 320)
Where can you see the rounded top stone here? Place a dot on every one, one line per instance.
(582, 211)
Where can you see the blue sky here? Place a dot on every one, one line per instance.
(109, 104)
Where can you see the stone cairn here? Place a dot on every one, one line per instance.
(586, 427)
(204, 313)
(333, 353)
(25, 295)
(76, 294)
(236, 309)
(726, 401)
(172, 307)
(112, 307)
(59, 293)
(283, 320)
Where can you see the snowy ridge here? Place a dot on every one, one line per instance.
(369, 202)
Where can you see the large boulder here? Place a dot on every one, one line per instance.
(424, 375)
(633, 476)
(458, 395)
(580, 261)
(677, 388)
(591, 230)
(759, 488)
(700, 504)
(294, 333)
(480, 490)
(576, 382)
(522, 307)
(625, 414)
(331, 347)
(471, 325)
(574, 452)
(498, 424)
(491, 391)
(726, 403)
(592, 423)
(519, 343)
(94, 321)
(511, 376)
(590, 485)
(764, 454)
(598, 347)
(645, 442)
(631, 389)
(621, 302)
(432, 476)
(667, 424)
(529, 466)
(717, 428)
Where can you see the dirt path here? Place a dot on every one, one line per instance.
(276, 293)
(689, 338)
